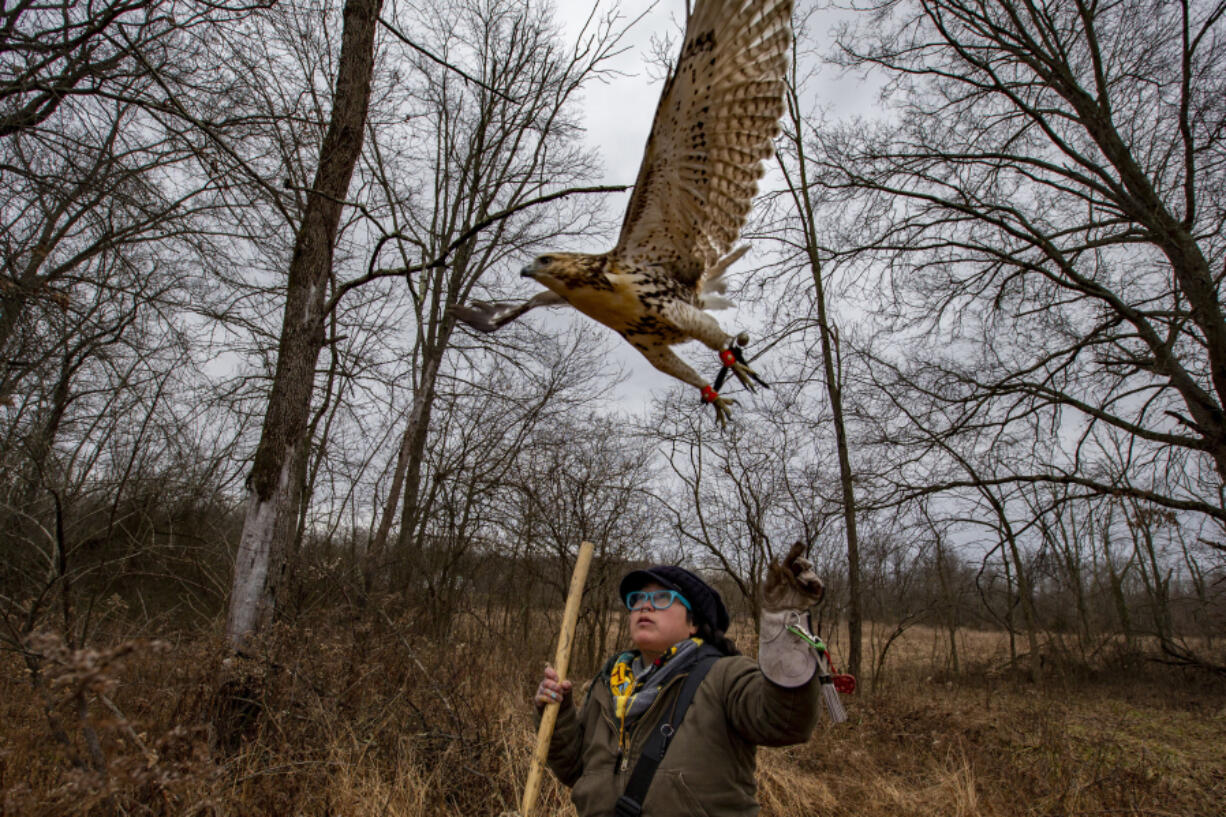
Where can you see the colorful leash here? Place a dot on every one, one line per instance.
(832, 681)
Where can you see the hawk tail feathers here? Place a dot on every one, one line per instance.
(713, 282)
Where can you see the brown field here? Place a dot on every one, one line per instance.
(362, 720)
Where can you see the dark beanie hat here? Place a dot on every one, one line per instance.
(704, 599)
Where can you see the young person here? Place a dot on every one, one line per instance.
(678, 624)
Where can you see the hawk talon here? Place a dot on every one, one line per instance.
(721, 405)
(748, 377)
(733, 359)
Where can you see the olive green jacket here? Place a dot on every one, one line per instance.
(708, 770)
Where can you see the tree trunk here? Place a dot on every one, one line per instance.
(1027, 600)
(1155, 576)
(1009, 625)
(272, 489)
(375, 560)
(416, 433)
(829, 339)
(407, 476)
(950, 604)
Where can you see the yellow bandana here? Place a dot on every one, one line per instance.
(632, 695)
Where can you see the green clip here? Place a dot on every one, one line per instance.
(813, 641)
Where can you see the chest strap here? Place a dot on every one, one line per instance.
(630, 804)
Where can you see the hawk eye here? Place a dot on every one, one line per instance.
(545, 259)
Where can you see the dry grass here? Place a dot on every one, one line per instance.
(360, 719)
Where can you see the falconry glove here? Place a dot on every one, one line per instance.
(788, 592)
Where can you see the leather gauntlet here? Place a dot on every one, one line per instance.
(788, 592)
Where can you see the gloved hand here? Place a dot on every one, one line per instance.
(792, 585)
(788, 592)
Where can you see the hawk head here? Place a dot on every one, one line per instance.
(559, 270)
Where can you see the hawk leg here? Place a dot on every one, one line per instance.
(693, 322)
(664, 359)
(699, 325)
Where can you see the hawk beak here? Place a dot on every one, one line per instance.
(528, 271)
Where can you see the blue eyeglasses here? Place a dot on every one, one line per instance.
(658, 599)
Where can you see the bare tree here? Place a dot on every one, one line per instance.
(794, 163)
(493, 148)
(58, 51)
(102, 224)
(1051, 183)
(86, 204)
(739, 497)
(487, 435)
(440, 238)
(581, 479)
(945, 566)
(273, 493)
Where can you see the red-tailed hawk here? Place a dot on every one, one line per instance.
(713, 129)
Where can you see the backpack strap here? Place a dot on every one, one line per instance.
(630, 804)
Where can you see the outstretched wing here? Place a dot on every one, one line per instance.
(717, 116)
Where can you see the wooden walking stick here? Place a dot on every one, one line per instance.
(561, 660)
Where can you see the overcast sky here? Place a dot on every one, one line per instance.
(618, 114)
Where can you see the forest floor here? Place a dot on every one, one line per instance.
(359, 719)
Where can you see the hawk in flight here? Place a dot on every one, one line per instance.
(713, 129)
